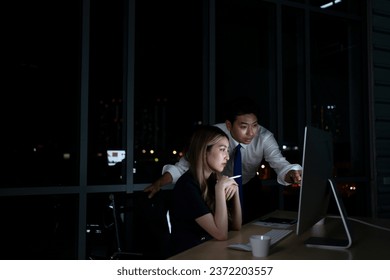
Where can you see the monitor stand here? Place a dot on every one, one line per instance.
(331, 243)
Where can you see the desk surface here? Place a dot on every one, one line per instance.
(369, 243)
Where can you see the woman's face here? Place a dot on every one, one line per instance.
(218, 156)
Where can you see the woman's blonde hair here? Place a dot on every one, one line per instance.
(201, 142)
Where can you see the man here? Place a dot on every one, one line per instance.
(257, 143)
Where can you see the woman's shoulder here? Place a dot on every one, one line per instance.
(186, 187)
(185, 176)
(187, 179)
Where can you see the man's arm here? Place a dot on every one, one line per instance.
(164, 180)
(170, 175)
(287, 173)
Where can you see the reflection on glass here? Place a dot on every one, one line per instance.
(348, 6)
(115, 156)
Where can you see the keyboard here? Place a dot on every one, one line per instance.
(275, 234)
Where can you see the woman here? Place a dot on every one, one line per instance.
(206, 204)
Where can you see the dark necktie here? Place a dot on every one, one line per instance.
(237, 170)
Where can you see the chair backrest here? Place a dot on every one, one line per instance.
(150, 226)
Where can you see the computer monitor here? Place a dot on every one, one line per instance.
(317, 186)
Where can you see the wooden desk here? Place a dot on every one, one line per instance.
(369, 243)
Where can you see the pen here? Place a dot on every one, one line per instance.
(237, 176)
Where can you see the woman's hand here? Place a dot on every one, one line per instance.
(228, 186)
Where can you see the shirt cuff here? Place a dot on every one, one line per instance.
(175, 173)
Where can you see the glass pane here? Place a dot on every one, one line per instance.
(105, 118)
(246, 59)
(336, 90)
(101, 227)
(168, 82)
(39, 227)
(245, 55)
(40, 62)
(294, 91)
(356, 197)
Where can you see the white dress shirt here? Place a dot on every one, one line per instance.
(262, 146)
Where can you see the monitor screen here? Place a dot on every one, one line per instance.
(317, 186)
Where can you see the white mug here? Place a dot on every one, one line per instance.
(260, 245)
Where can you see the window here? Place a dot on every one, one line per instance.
(41, 92)
(168, 83)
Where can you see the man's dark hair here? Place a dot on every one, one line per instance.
(240, 106)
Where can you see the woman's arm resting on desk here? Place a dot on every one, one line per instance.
(236, 214)
(217, 225)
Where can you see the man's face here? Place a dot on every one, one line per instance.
(244, 128)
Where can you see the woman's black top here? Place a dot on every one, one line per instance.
(187, 205)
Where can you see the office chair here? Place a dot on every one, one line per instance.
(120, 252)
(151, 226)
(140, 225)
